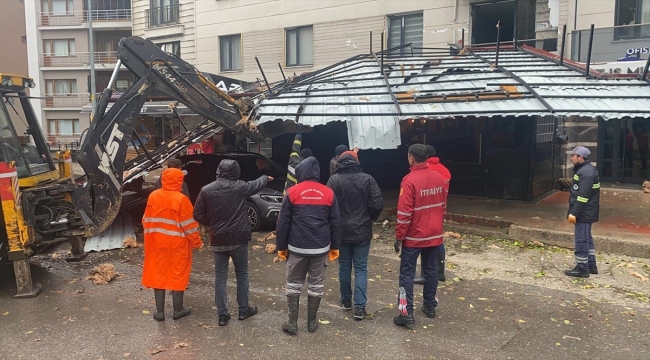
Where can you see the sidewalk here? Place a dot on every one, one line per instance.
(624, 226)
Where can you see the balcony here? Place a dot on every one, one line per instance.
(54, 101)
(78, 60)
(162, 16)
(627, 42)
(59, 142)
(80, 18)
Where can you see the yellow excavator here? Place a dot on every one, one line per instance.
(43, 202)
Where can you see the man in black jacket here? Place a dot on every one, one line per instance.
(360, 202)
(584, 204)
(222, 206)
(308, 231)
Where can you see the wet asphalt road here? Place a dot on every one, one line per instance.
(478, 317)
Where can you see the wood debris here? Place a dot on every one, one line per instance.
(646, 187)
(637, 275)
(453, 234)
(129, 242)
(102, 274)
(181, 345)
(271, 249)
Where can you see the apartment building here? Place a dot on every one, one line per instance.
(302, 36)
(13, 42)
(168, 23)
(59, 58)
(621, 30)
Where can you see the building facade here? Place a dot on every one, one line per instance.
(13, 42)
(302, 36)
(58, 43)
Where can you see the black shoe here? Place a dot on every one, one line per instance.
(593, 270)
(418, 281)
(577, 272)
(223, 319)
(186, 311)
(406, 321)
(359, 313)
(179, 310)
(441, 277)
(252, 310)
(159, 316)
(346, 304)
(429, 311)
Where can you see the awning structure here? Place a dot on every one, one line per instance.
(436, 85)
(150, 108)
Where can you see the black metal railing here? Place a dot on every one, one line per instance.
(163, 15)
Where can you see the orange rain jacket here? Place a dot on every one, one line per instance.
(170, 233)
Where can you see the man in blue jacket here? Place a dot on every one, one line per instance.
(584, 204)
(308, 231)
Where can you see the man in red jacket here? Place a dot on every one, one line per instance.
(433, 162)
(420, 213)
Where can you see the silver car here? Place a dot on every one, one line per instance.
(263, 207)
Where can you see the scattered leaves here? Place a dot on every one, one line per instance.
(570, 337)
(324, 322)
(256, 247)
(157, 350)
(146, 312)
(637, 275)
(567, 322)
(181, 345)
(521, 321)
(452, 234)
(375, 236)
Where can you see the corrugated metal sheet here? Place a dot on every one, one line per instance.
(113, 237)
(446, 87)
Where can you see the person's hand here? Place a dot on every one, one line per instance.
(283, 254)
(572, 219)
(356, 149)
(201, 246)
(397, 245)
(333, 255)
(271, 178)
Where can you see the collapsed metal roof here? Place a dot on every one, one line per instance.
(436, 85)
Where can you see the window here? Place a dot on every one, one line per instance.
(545, 128)
(230, 52)
(163, 12)
(632, 12)
(405, 29)
(63, 126)
(59, 47)
(122, 85)
(173, 48)
(300, 46)
(60, 87)
(57, 7)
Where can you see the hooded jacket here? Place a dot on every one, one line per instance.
(222, 205)
(359, 199)
(309, 223)
(584, 202)
(170, 233)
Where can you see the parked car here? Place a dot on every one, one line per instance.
(263, 207)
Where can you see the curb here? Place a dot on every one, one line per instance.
(563, 239)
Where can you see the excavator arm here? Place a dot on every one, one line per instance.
(102, 153)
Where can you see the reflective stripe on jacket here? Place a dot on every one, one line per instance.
(584, 202)
(170, 233)
(420, 208)
(294, 160)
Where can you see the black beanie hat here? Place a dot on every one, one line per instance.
(340, 150)
(305, 153)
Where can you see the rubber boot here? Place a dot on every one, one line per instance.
(441, 267)
(291, 326)
(159, 295)
(179, 310)
(313, 303)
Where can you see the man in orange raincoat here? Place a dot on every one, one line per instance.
(170, 234)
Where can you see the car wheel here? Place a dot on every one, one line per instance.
(254, 218)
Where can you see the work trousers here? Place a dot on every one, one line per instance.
(585, 252)
(298, 267)
(240, 261)
(354, 255)
(408, 264)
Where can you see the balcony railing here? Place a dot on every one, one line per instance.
(611, 43)
(76, 18)
(78, 59)
(60, 142)
(161, 16)
(66, 100)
